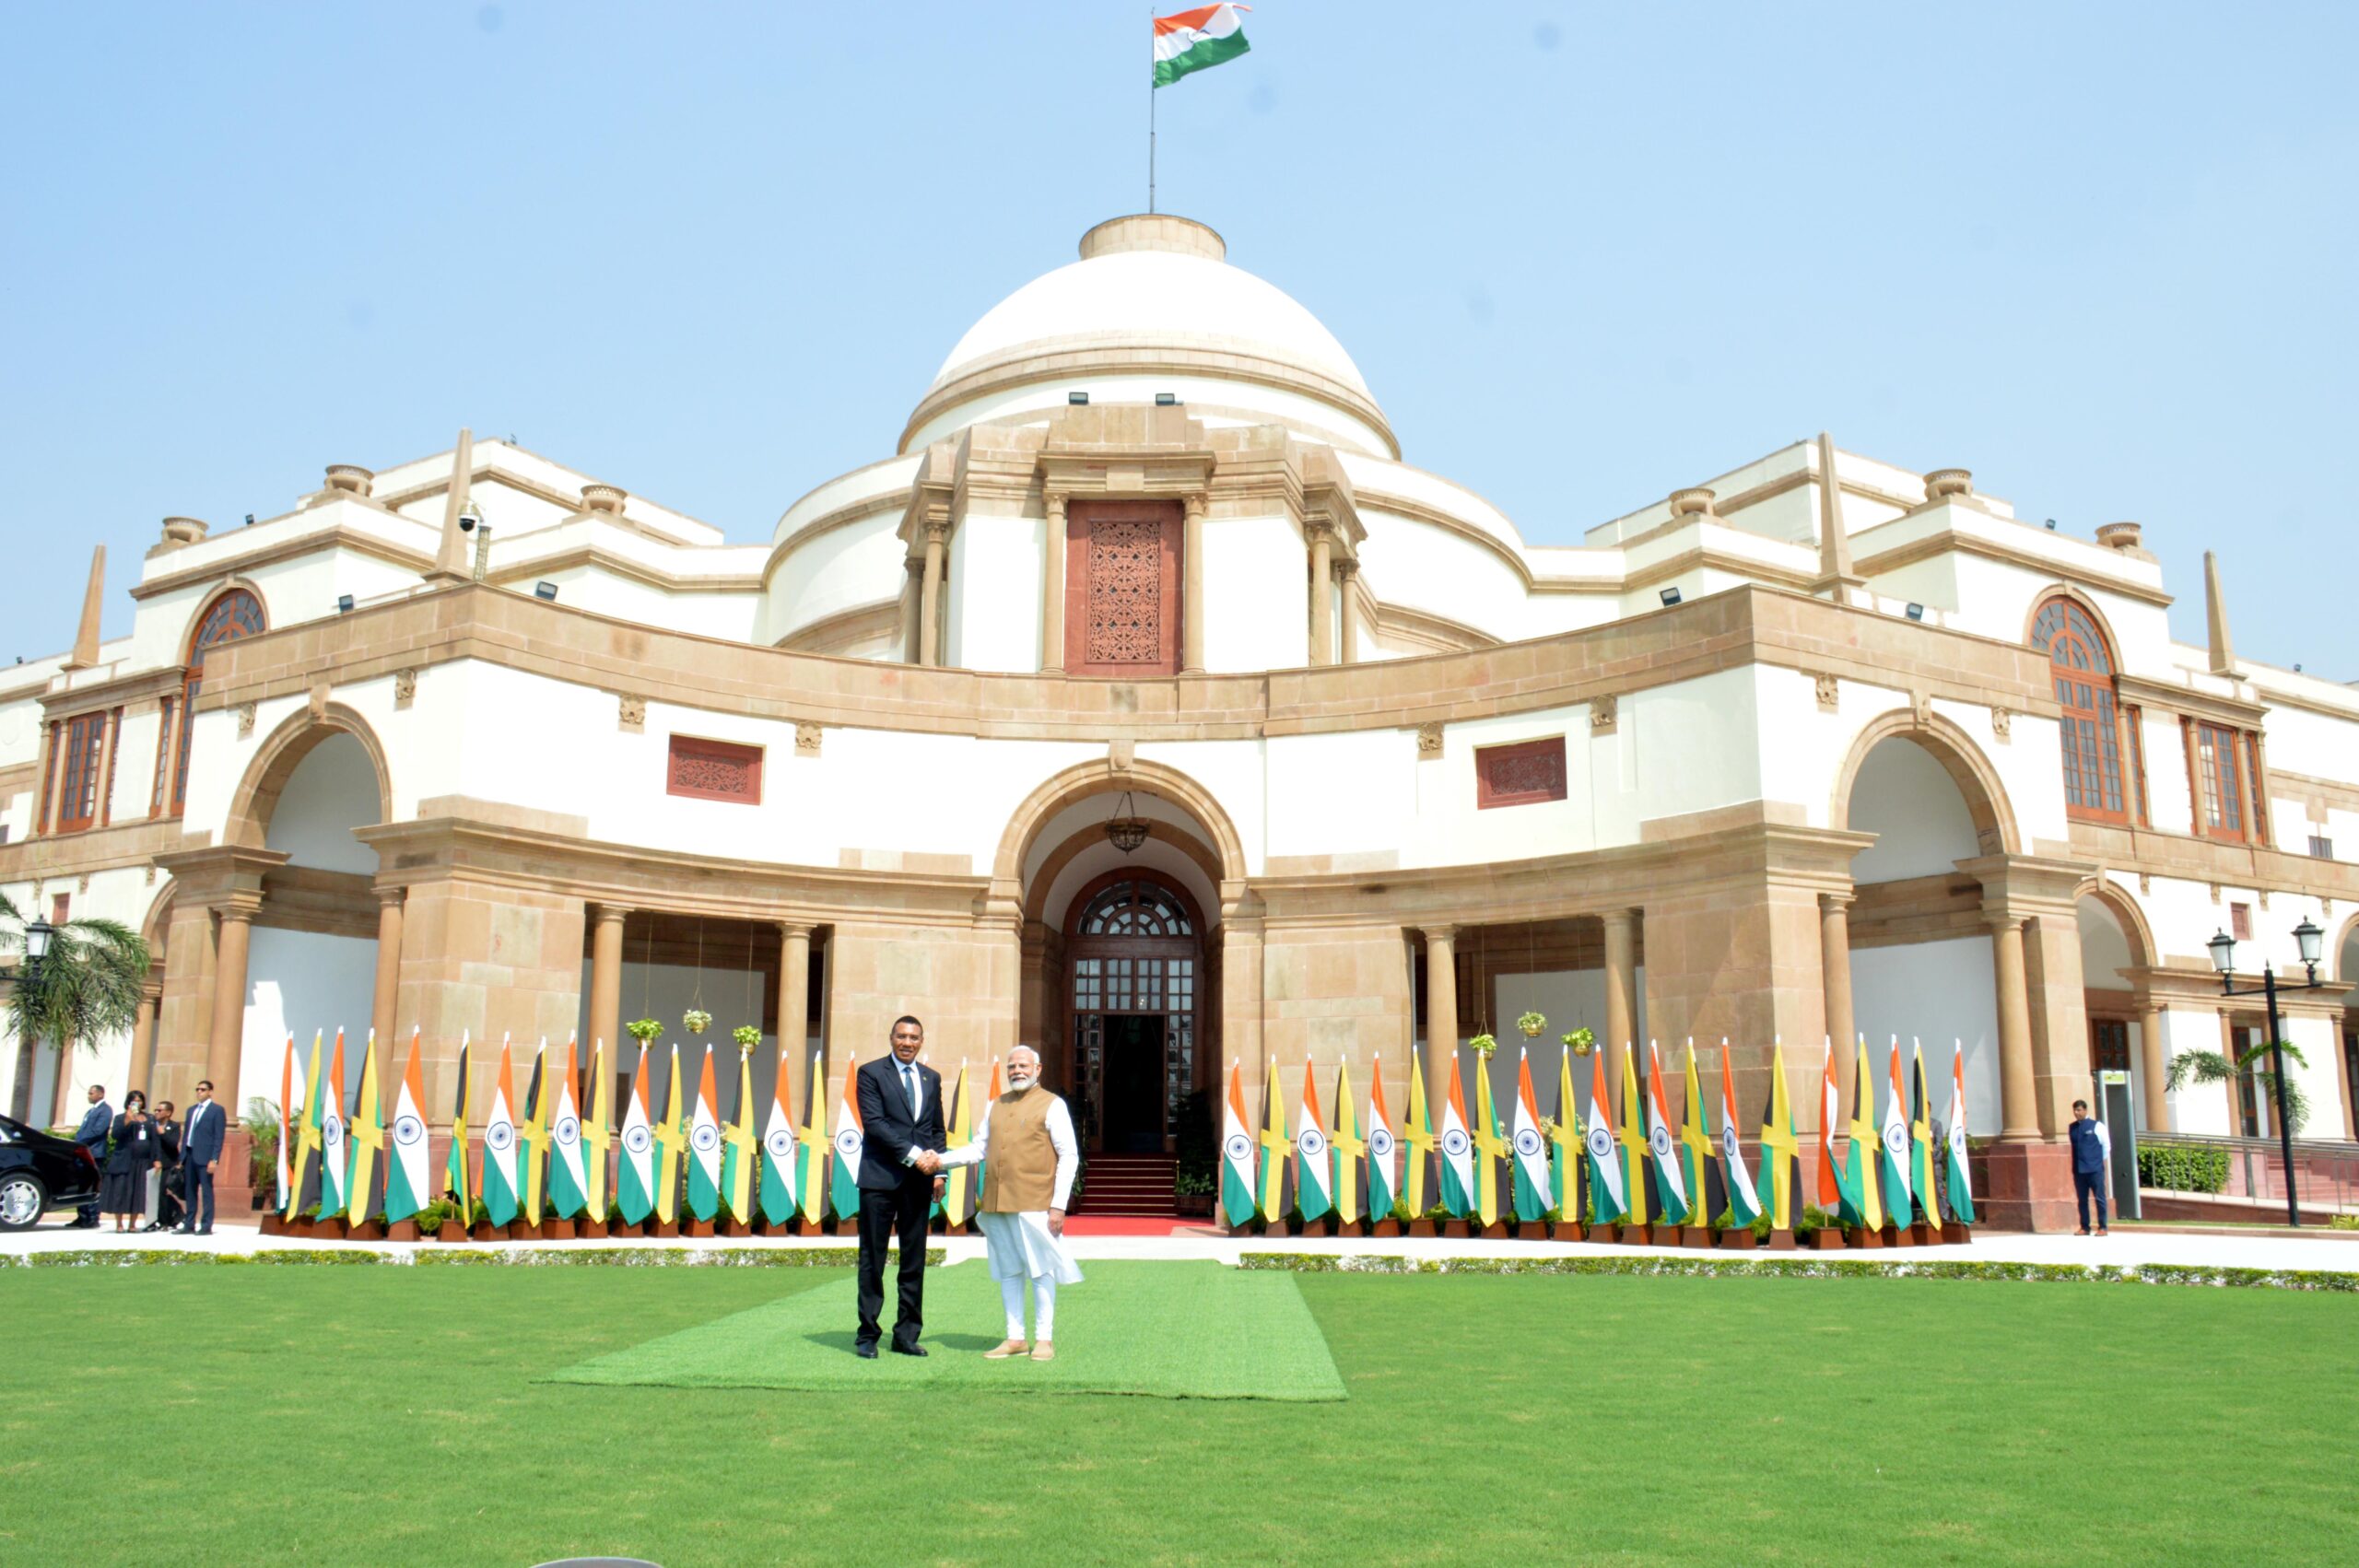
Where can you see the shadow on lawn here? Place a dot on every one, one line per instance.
(978, 1343)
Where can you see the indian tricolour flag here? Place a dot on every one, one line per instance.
(499, 1145)
(1531, 1175)
(781, 1186)
(704, 1147)
(568, 1172)
(1608, 1199)
(851, 1138)
(335, 1153)
(1745, 1203)
(1314, 1172)
(1457, 1147)
(1953, 1172)
(1382, 1185)
(1190, 40)
(1892, 1132)
(1662, 1145)
(1237, 1198)
(405, 1179)
(635, 1172)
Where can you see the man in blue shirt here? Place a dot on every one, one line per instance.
(2089, 1148)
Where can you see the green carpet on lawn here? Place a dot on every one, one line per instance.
(1173, 1330)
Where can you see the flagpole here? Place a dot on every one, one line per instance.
(1150, 108)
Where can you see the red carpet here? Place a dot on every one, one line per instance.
(1133, 1225)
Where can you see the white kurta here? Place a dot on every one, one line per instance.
(1019, 1244)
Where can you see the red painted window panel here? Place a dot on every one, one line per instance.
(1523, 774)
(699, 769)
(1122, 603)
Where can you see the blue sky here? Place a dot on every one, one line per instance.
(2100, 254)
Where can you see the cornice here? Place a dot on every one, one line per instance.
(144, 685)
(1950, 540)
(2182, 857)
(603, 559)
(2152, 694)
(339, 536)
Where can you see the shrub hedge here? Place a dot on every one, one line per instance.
(2182, 1167)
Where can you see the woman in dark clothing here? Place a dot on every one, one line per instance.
(123, 1192)
(164, 1181)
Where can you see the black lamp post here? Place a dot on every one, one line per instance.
(38, 935)
(2224, 958)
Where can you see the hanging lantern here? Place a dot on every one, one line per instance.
(1125, 829)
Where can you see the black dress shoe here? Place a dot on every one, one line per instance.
(864, 1351)
(206, 1231)
(909, 1350)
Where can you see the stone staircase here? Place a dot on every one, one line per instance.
(1129, 1184)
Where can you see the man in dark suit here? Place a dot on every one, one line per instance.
(900, 1116)
(201, 1138)
(97, 1122)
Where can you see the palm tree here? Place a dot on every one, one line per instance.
(2210, 1067)
(91, 984)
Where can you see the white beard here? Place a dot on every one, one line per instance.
(1018, 1085)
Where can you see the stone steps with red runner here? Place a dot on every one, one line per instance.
(1129, 1184)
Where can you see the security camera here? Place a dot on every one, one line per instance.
(469, 519)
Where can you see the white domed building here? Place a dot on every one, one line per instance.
(1143, 703)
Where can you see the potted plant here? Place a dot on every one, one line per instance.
(1582, 1041)
(263, 1125)
(646, 1030)
(1482, 1045)
(1532, 1023)
(1198, 1174)
(748, 1036)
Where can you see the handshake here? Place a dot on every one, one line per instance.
(927, 1161)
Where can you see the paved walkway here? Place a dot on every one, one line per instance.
(2337, 1250)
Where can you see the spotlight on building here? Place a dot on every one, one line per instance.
(1078, 400)
(1167, 400)
(343, 603)
(1670, 596)
(1916, 612)
(545, 591)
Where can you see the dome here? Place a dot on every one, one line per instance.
(1154, 295)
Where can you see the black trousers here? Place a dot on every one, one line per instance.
(902, 1212)
(196, 1195)
(2085, 1185)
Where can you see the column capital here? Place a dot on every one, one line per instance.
(392, 896)
(1194, 504)
(241, 907)
(1053, 503)
(937, 533)
(1347, 566)
(1444, 934)
(611, 914)
(793, 929)
(1835, 903)
(1623, 917)
(2003, 920)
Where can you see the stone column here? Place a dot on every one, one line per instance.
(1345, 574)
(226, 1044)
(606, 977)
(1052, 590)
(1621, 990)
(794, 993)
(1441, 1010)
(930, 598)
(2018, 1097)
(1322, 597)
(1192, 609)
(2153, 1067)
(389, 966)
(910, 593)
(142, 1042)
(1834, 953)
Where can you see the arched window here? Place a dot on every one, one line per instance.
(235, 614)
(2083, 668)
(1134, 908)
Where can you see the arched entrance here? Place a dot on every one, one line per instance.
(1134, 962)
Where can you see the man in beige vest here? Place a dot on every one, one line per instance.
(1030, 1158)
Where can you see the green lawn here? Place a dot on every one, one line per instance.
(399, 1416)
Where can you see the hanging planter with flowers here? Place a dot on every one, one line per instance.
(696, 1020)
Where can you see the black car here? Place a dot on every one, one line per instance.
(40, 1172)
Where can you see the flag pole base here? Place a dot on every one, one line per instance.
(524, 1230)
(1387, 1226)
(1740, 1238)
(484, 1230)
(1495, 1231)
(402, 1230)
(557, 1230)
(1922, 1234)
(273, 1225)
(805, 1226)
(1895, 1236)
(1695, 1236)
(662, 1227)
(594, 1230)
(1781, 1240)
(730, 1226)
(1957, 1233)
(364, 1230)
(1861, 1237)
(1827, 1241)
(1426, 1228)
(1456, 1230)
(1602, 1235)
(700, 1229)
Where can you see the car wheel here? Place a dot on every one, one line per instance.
(23, 1200)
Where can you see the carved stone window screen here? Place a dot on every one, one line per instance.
(699, 769)
(1526, 773)
(1122, 608)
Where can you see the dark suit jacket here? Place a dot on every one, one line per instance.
(92, 1134)
(886, 1130)
(201, 1145)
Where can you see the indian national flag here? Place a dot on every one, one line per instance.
(1892, 1133)
(1349, 1146)
(1953, 1172)
(635, 1170)
(1237, 1171)
(1608, 1199)
(336, 1151)
(458, 1173)
(1832, 1197)
(781, 1170)
(366, 1135)
(1275, 1146)
(1662, 1147)
(1695, 1141)
(851, 1138)
(1457, 1147)
(1418, 1132)
(1314, 1169)
(816, 1152)
(1858, 1152)
(568, 1172)
(1190, 40)
(1565, 1158)
(499, 1145)
(670, 1138)
(406, 1179)
(738, 1145)
(598, 1132)
(1633, 1139)
(1531, 1175)
(1383, 1183)
(704, 1147)
(286, 1119)
(1745, 1203)
(1920, 1139)
(307, 1139)
(1780, 1150)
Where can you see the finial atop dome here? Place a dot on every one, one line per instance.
(1154, 231)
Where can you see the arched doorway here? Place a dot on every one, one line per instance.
(1134, 962)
